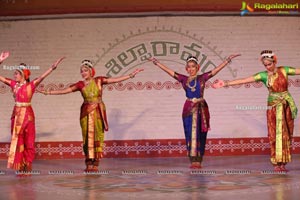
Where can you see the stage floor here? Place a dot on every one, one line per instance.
(247, 177)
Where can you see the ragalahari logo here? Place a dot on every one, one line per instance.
(245, 8)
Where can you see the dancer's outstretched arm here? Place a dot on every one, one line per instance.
(297, 71)
(59, 92)
(4, 80)
(123, 78)
(221, 83)
(223, 64)
(163, 67)
(44, 75)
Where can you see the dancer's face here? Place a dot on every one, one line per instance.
(192, 68)
(85, 72)
(269, 65)
(18, 76)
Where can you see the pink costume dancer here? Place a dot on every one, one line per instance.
(21, 153)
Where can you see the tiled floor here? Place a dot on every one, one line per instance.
(234, 178)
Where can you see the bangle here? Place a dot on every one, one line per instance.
(226, 84)
(155, 61)
(131, 75)
(228, 60)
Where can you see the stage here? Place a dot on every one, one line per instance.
(226, 177)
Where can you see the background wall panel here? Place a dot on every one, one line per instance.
(149, 106)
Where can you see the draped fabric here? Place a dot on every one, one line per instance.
(22, 149)
(195, 114)
(281, 113)
(92, 117)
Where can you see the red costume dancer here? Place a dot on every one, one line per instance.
(21, 153)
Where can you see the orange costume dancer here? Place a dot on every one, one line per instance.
(93, 120)
(21, 153)
(282, 112)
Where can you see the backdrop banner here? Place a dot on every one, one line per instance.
(145, 112)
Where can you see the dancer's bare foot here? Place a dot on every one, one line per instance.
(95, 168)
(277, 168)
(282, 167)
(89, 168)
(195, 165)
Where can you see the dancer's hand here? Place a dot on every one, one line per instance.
(232, 57)
(3, 56)
(105, 127)
(44, 92)
(218, 84)
(135, 72)
(154, 60)
(54, 65)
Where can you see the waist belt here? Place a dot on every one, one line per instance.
(195, 100)
(22, 104)
(92, 102)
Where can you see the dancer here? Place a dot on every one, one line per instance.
(195, 113)
(282, 112)
(93, 113)
(22, 151)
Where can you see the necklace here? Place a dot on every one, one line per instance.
(17, 87)
(87, 82)
(272, 78)
(190, 79)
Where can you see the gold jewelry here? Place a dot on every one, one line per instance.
(87, 82)
(190, 79)
(17, 87)
(23, 104)
(131, 75)
(226, 84)
(155, 61)
(271, 79)
(228, 60)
